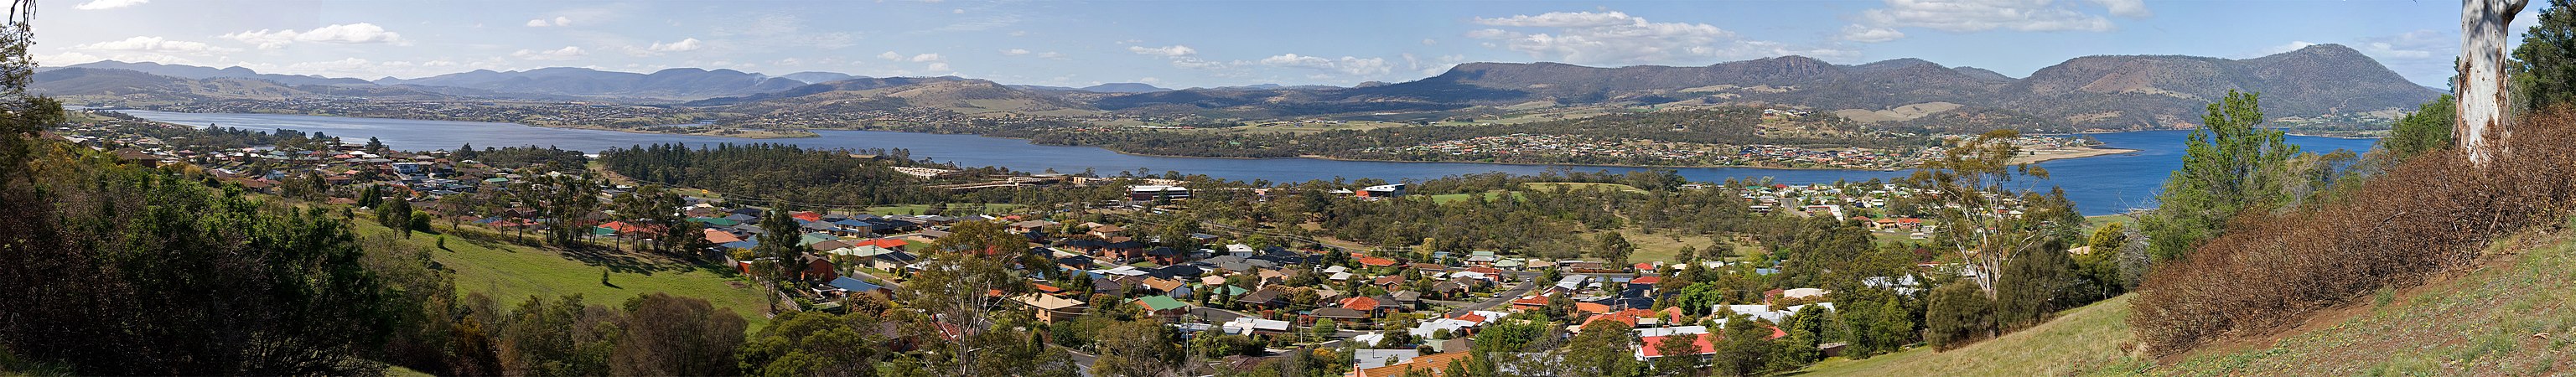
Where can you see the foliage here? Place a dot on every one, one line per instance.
(2426, 216)
(1613, 248)
(1987, 221)
(2425, 130)
(774, 173)
(2226, 170)
(2034, 285)
(2544, 65)
(1603, 349)
(1956, 315)
(1138, 348)
(675, 336)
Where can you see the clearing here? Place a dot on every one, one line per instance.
(511, 273)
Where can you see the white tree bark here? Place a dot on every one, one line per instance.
(2483, 29)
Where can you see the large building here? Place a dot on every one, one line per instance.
(1153, 192)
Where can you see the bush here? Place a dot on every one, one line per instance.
(2427, 215)
(1958, 314)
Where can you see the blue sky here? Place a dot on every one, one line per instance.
(1209, 43)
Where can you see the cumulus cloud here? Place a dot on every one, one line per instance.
(1015, 52)
(1620, 38)
(890, 55)
(566, 53)
(926, 58)
(2127, 8)
(1867, 34)
(1346, 65)
(557, 21)
(685, 44)
(344, 33)
(1984, 15)
(156, 44)
(1051, 55)
(108, 4)
(2418, 44)
(1165, 51)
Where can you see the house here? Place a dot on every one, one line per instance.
(1375, 306)
(1381, 191)
(1050, 309)
(1376, 261)
(818, 268)
(1251, 325)
(1436, 365)
(1266, 298)
(1161, 305)
(1651, 347)
(856, 286)
(1340, 314)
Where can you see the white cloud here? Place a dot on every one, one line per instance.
(566, 53)
(557, 21)
(1984, 15)
(154, 44)
(1172, 51)
(1015, 52)
(2418, 44)
(1429, 41)
(344, 33)
(1620, 38)
(686, 44)
(109, 4)
(1051, 55)
(2127, 8)
(891, 56)
(1867, 34)
(937, 67)
(1345, 65)
(926, 58)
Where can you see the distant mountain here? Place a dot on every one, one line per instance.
(196, 72)
(969, 96)
(1122, 87)
(115, 86)
(2120, 92)
(670, 84)
(817, 77)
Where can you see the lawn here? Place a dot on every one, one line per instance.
(2079, 340)
(1579, 186)
(511, 273)
(2126, 221)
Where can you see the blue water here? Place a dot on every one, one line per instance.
(2097, 185)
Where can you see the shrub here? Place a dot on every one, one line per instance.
(2426, 215)
(1958, 314)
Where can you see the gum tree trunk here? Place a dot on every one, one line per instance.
(2483, 29)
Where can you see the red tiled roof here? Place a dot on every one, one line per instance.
(719, 237)
(1591, 307)
(1362, 303)
(889, 243)
(1649, 280)
(1649, 346)
(1376, 261)
(806, 215)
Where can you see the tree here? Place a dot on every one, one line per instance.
(2227, 168)
(1957, 315)
(1680, 355)
(2032, 286)
(676, 336)
(2483, 75)
(2543, 68)
(1613, 248)
(1603, 349)
(1137, 348)
(956, 284)
(419, 223)
(1986, 221)
(2429, 127)
(813, 344)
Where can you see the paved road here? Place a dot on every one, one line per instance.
(881, 281)
(1505, 297)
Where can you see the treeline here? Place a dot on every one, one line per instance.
(770, 171)
(1731, 126)
(523, 156)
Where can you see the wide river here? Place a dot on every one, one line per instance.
(2097, 185)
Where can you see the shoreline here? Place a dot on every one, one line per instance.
(2075, 154)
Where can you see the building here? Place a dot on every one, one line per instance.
(1381, 191)
(1155, 192)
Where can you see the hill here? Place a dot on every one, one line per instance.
(668, 84)
(196, 72)
(121, 86)
(2118, 92)
(2515, 314)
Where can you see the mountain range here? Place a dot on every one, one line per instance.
(2092, 92)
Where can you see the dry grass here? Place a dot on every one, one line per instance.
(2081, 340)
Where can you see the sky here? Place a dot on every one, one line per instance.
(1179, 44)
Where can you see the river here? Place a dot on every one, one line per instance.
(2098, 185)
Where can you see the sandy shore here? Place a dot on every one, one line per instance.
(2038, 156)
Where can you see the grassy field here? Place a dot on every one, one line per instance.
(2514, 315)
(1579, 186)
(2127, 221)
(511, 273)
(2079, 340)
(1662, 246)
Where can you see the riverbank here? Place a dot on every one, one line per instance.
(2038, 156)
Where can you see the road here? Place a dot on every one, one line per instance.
(879, 280)
(1499, 299)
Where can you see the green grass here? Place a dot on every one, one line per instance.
(1577, 186)
(2512, 315)
(1489, 195)
(512, 273)
(2125, 221)
(1662, 246)
(2079, 340)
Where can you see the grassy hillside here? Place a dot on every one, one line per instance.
(2081, 339)
(512, 273)
(2513, 315)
